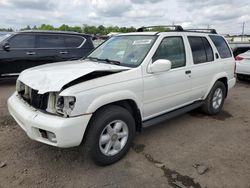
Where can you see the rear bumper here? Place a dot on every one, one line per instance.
(68, 131)
(242, 68)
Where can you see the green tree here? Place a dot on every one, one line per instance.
(93, 30)
(6, 29)
(64, 28)
(76, 29)
(34, 27)
(26, 28)
(46, 27)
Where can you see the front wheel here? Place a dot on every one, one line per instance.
(110, 134)
(215, 100)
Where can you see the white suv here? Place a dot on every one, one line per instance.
(129, 82)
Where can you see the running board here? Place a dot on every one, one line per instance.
(171, 114)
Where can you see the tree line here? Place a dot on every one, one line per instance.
(96, 30)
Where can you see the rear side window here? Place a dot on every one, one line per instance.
(172, 49)
(73, 42)
(22, 41)
(201, 50)
(221, 46)
(51, 41)
(208, 49)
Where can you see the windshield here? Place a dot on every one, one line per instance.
(4, 36)
(123, 50)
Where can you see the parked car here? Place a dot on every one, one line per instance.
(128, 83)
(239, 48)
(243, 66)
(23, 50)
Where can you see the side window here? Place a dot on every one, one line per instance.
(73, 42)
(221, 46)
(201, 50)
(172, 49)
(22, 41)
(51, 41)
(208, 49)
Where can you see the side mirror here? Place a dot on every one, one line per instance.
(160, 65)
(6, 46)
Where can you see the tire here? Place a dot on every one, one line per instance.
(213, 104)
(102, 142)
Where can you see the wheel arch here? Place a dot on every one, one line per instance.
(222, 78)
(129, 105)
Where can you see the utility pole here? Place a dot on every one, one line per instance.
(242, 34)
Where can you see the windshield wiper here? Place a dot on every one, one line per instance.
(106, 60)
(112, 61)
(92, 58)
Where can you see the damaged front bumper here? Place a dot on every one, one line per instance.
(49, 129)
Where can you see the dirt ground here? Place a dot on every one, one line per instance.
(162, 156)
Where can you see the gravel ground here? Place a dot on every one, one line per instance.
(193, 150)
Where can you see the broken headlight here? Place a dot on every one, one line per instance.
(20, 87)
(65, 105)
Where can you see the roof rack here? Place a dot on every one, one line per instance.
(176, 27)
(48, 31)
(213, 31)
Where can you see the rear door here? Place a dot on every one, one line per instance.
(20, 56)
(51, 48)
(205, 64)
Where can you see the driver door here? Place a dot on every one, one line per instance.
(20, 56)
(166, 91)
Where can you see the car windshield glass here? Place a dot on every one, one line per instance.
(4, 36)
(129, 50)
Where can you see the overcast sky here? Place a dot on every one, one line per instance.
(226, 16)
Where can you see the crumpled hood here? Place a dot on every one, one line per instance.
(52, 77)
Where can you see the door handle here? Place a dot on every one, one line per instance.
(188, 72)
(30, 53)
(63, 52)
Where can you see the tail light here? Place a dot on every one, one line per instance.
(239, 58)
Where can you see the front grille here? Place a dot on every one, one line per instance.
(31, 96)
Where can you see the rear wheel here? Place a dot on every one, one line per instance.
(110, 136)
(215, 100)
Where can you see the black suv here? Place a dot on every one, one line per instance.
(27, 49)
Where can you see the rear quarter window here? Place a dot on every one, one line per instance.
(73, 41)
(221, 46)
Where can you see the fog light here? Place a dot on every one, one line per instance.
(48, 135)
(51, 137)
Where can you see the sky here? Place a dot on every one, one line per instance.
(226, 16)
